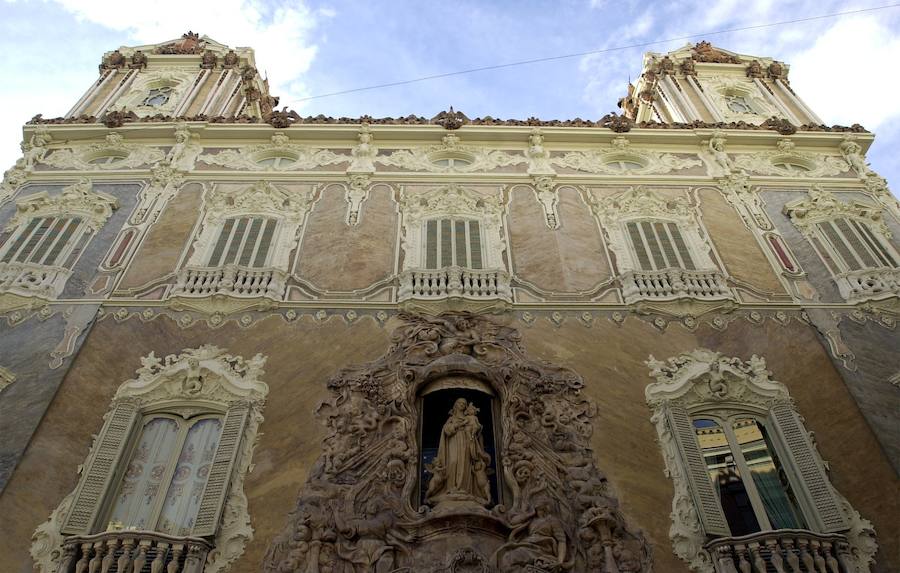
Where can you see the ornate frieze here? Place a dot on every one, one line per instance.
(450, 156)
(821, 204)
(79, 199)
(788, 161)
(279, 155)
(620, 158)
(367, 480)
(112, 153)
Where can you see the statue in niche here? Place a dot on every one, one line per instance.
(459, 472)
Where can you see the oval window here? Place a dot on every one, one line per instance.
(108, 159)
(280, 161)
(158, 97)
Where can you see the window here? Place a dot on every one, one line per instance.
(169, 460)
(453, 242)
(790, 166)
(43, 241)
(108, 159)
(855, 244)
(744, 465)
(738, 104)
(244, 241)
(158, 97)
(281, 161)
(452, 162)
(623, 165)
(659, 245)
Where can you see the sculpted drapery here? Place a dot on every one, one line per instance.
(459, 472)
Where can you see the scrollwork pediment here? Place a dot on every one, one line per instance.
(113, 153)
(449, 201)
(789, 162)
(470, 158)
(94, 207)
(705, 377)
(622, 159)
(262, 197)
(639, 202)
(822, 205)
(293, 156)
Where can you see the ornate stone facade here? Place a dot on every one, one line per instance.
(456, 316)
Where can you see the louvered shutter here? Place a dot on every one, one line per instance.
(705, 499)
(809, 469)
(100, 470)
(220, 474)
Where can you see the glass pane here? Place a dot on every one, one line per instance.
(186, 489)
(35, 237)
(768, 475)
(855, 243)
(655, 250)
(840, 246)
(878, 248)
(725, 477)
(140, 484)
(235, 243)
(250, 243)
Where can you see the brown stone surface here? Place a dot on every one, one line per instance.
(159, 253)
(302, 356)
(338, 257)
(568, 259)
(736, 245)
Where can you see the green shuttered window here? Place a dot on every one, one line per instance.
(659, 245)
(453, 242)
(244, 241)
(856, 246)
(43, 241)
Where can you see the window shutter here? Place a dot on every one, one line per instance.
(683, 251)
(705, 499)
(213, 501)
(17, 244)
(100, 470)
(838, 243)
(877, 247)
(855, 243)
(638, 243)
(475, 244)
(431, 244)
(262, 253)
(809, 469)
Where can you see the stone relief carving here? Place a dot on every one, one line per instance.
(207, 375)
(449, 201)
(364, 153)
(713, 150)
(621, 158)
(822, 205)
(538, 156)
(6, 378)
(708, 379)
(737, 191)
(790, 162)
(79, 199)
(279, 155)
(752, 107)
(853, 155)
(450, 156)
(113, 153)
(13, 178)
(175, 82)
(184, 153)
(357, 192)
(34, 151)
(359, 510)
(548, 198)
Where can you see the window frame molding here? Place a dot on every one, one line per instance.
(704, 382)
(179, 79)
(80, 157)
(823, 206)
(79, 200)
(194, 383)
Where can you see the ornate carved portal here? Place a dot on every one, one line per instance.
(456, 452)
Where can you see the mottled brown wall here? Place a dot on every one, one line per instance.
(568, 259)
(167, 238)
(736, 245)
(339, 257)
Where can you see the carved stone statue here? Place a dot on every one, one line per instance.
(717, 148)
(538, 543)
(852, 153)
(459, 472)
(36, 148)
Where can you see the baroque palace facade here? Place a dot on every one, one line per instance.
(237, 339)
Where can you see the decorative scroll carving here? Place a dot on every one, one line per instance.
(709, 380)
(539, 157)
(113, 153)
(736, 189)
(357, 192)
(450, 119)
(183, 154)
(197, 378)
(620, 158)
(364, 153)
(718, 162)
(822, 205)
(175, 82)
(436, 158)
(78, 199)
(548, 198)
(36, 148)
(359, 510)
(12, 179)
(289, 156)
(853, 155)
(790, 162)
(707, 53)
(753, 108)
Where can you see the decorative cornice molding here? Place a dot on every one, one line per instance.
(127, 155)
(598, 160)
(424, 158)
(79, 199)
(297, 156)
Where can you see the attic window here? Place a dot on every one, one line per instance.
(791, 165)
(738, 104)
(276, 161)
(108, 158)
(624, 164)
(158, 97)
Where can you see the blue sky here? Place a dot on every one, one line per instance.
(842, 67)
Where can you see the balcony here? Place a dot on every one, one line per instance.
(674, 284)
(869, 284)
(230, 280)
(782, 551)
(454, 283)
(133, 551)
(28, 279)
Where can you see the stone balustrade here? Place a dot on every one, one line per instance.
(133, 552)
(674, 284)
(230, 280)
(454, 282)
(869, 284)
(29, 279)
(782, 551)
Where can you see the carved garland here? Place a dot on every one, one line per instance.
(707, 380)
(451, 201)
(615, 160)
(823, 205)
(773, 162)
(79, 199)
(467, 158)
(359, 511)
(292, 156)
(113, 153)
(205, 378)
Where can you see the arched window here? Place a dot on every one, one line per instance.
(162, 485)
(746, 472)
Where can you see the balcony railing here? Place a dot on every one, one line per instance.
(782, 551)
(454, 282)
(869, 284)
(133, 552)
(28, 279)
(674, 284)
(230, 280)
